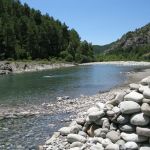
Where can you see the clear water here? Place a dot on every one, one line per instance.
(45, 86)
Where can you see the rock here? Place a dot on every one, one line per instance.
(97, 147)
(100, 105)
(146, 101)
(76, 138)
(131, 146)
(75, 129)
(65, 130)
(75, 148)
(114, 136)
(51, 140)
(106, 124)
(123, 119)
(100, 121)
(113, 126)
(129, 107)
(119, 98)
(90, 131)
(80, 121)
(106, 142)
(112, 147)
(143, 131)
(127, 128)
(76, 144)
(145, 81)
(140, 119)
(100, 132)
(134, 86)
(108, 106)
(146, 147)
(82, 134)
(132, 137)
(93, 116)
(145, 109)
(92, 109)
(134, 96)
(146, 93)
(142, 88)
(120, 142)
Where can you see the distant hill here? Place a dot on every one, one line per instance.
(134, 45)
(100, 49)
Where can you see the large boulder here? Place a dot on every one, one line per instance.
(112, 147)
(134, 96)
(129, 107)
(131, 146)
(140, 119)
(93, 116)
(134, 86)
(65, 130)
(145, 81)
(127, 128)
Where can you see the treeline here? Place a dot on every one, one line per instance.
(27, 34)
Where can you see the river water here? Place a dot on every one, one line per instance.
(39, 87)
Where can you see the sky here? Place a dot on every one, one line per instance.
(97, 21)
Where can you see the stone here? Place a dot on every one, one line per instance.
(75, 148)
(131, 146)
(92, 109)
(100, 121)
(134, 86)
(106, 124)
(106, 142)
(108, 106)
(120, 142)
(146, 147)
(146, 93)
(100, 132)
(100, 105)
(145, 81)
(112, 147)
(93, 116)
(142, 88)
(75, 129)
(129, 107)
(140, 119)
(80, 121)
(65, 130)
(145, 109)
(114, 136)
(75, 138)
(123, 119)
(134, 96)
(98, 146)
(113, 126)
(76, 144)
(127, 128)
(54, 136)
(82, 133)
(146, 100)
(90, 131)
(132, 137)
(119, 98)
(143, 131)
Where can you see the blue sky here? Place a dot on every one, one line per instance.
(97, 21)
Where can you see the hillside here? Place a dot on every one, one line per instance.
(133, 45)
(27, 34)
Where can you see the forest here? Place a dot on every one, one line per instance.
(27, 34)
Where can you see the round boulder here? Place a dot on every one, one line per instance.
(114, 136)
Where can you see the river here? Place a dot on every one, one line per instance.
(44, 86)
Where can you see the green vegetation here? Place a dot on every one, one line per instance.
(132, 46)
(27, 34)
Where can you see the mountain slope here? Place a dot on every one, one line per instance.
(133, 45)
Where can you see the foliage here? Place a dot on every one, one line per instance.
(27, 34)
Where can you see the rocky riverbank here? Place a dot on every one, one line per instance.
(7, 67)
(116, 121)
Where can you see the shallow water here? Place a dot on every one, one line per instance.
(45, 86)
